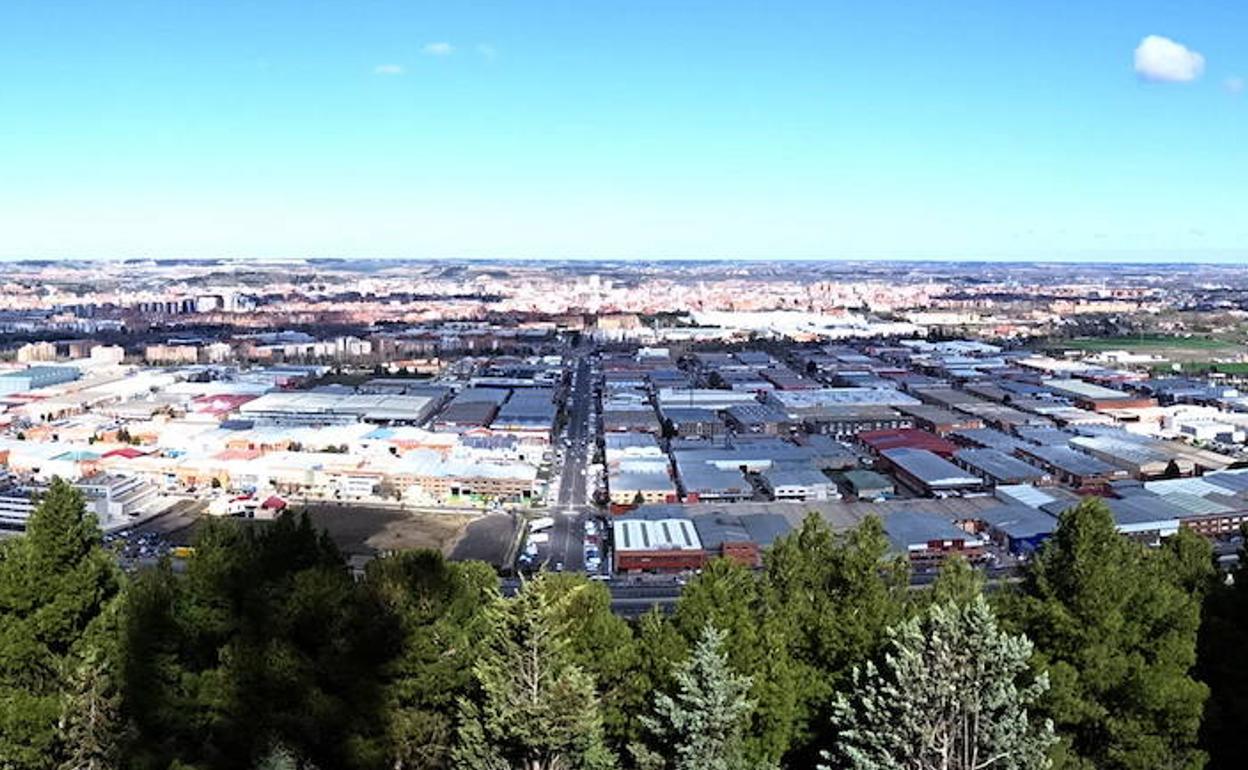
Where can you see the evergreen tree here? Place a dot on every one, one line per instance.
(958, 583)
(951, 692)
(1114, 623)
(1223, 638)
(265, 641)
(537, 710)
(56, 584)
(758, 638)
(602, 645)
(92, 728)
(700, 725)
(440, 608)
(835, 594)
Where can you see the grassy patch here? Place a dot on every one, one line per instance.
(1151, 342)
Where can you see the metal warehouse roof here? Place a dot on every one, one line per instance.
(1236, 481)
(930, 468)
(990, 438)
(702, 477)
(715, 529)
(1038, 434)
(1035, 497)
(1129, 451)
(909, 529)
(1199, 486)
(1143, 510)
(794, 474)
(655, 535)
(1070, 460)
(999, 465)
(1082, 389)
(868, 480)
(1192, 504)
(1019, 521)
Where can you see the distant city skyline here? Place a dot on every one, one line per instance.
(791, 130)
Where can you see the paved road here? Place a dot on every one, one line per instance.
(572, 490)
(572, 508)
(627, 600)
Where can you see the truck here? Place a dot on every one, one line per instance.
(540, 523)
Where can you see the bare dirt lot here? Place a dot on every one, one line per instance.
(362, 530)
(368, 531)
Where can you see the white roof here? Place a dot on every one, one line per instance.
(655, 535)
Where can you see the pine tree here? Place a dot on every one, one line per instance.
(1115, 623)
(440, 611)
(537, 709)
(951, 692)
(1223, 638)
(602, 645)
(700, 726)
(758, 639)
(92, 729)
(835, 594)
(56, 583)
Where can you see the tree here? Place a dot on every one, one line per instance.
(1114, 623)
(440, 608)
(265, 641)
(958, 582)
(1223, 638)
(836, 594)
(92, 728)
(602, 645)
(951, 692)
(700, 725)
(57, 585)
(758, 638)
(537, 710)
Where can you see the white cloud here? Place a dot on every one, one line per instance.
(1234, 84)
(1162, 60)
(487, 51)
(437, 49)
(388, 69)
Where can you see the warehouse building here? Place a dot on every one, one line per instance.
(656, 545)
(940, 420)
(36, 377)
(705, 481)
(928, 473)
(868, 485)
(1072, 467)
(928, 539)
(528, 410)
(304, 408)
(1019, 528)
(996, 467)
(653, 486)
(764, 419)
(797, 481)
(844, 422)
(908, 438)
(694, 423)
(1097, 398)
(740, 536)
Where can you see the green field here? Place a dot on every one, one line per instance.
(1204, 367)
(1148, 342)
(1186, 350)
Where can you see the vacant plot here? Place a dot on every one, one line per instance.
(364, 530)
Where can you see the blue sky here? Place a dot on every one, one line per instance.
(461, 128)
